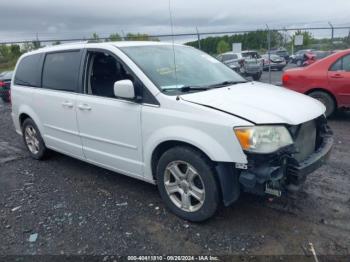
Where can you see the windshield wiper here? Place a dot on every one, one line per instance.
(226, 83)
(185, 89)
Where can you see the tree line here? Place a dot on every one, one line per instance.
(258, 40)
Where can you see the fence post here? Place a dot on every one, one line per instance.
(332, 39)
(268, 49)
(123, 35)
(198, 38)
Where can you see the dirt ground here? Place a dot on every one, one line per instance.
(76, 208)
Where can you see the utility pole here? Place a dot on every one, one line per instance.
(269, 50)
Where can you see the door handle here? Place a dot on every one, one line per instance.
(67, 104)
(337, 76)
(84, 107)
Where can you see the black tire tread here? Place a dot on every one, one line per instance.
(197, 216)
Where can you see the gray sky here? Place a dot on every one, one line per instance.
(22, 19)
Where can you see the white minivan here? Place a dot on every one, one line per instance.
(170, 115)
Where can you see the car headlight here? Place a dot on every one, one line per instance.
(263, 139)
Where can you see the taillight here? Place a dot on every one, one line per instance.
(2, 84)
(285, 79)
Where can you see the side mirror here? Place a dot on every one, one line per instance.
(124, 89)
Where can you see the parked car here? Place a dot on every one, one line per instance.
(5, 83)
(231, 60)
(326, 80)
(298, 57)
(246, 63)
(311, 57)
(196, 129)
(282, 52)
(275, 62)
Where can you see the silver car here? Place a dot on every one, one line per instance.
(247, 63)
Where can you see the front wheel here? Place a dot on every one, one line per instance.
(187, 184)
(325, 99)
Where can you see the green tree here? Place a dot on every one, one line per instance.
(95, 37)
(15, 51)
(36, 44)
(114, 37)
(222, 47)
(140, 37)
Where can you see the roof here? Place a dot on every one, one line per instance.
(85, 44)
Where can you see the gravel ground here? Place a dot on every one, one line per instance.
(65, 206)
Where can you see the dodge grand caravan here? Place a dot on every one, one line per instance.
(170, 115)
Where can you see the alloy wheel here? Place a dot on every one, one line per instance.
(31, 139)
(184, 186)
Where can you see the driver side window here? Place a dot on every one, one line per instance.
(102, 71)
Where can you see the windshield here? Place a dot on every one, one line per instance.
(193, 67)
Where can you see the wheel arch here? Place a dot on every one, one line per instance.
(320, 89)
(161, 148)
(26, 112)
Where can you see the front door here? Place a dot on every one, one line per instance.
(110, 128)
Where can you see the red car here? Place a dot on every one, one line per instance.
(327, 80)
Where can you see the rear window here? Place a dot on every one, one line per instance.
(28, 71)
(61, 71)
(229, 57)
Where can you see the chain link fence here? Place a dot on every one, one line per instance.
(265, 41)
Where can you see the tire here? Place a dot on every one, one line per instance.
(325, 99)
(6, 99)
(195, 176)
(299, 63)
(33, 140)
(256, 77)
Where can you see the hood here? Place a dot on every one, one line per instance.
(260, 103)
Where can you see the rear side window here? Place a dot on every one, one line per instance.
(342, 64)
(346, 63)
(28, 71)
(61, 71)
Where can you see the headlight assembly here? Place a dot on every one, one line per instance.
(263, 139)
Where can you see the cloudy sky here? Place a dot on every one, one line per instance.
(52, 19)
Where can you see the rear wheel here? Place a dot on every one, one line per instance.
(187, 185)
(325, 99)
(33, 140)
(299, 63)
(6, 99)
(256, 77)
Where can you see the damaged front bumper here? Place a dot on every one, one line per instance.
(275, 173)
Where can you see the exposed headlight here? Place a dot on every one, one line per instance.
(263, 139)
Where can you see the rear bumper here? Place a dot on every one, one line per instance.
(275, 66)
(252, 71)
